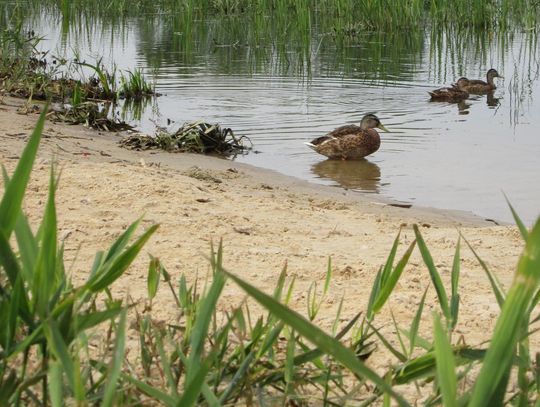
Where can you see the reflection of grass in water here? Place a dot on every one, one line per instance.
(302, 38)
(287, 37)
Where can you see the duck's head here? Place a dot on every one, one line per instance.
(462, 82)
(492, 73)
(370, 121)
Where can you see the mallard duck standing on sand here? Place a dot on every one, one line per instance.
(455, 93)
(479, 86)
(350, 142)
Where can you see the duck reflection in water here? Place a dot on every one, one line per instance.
(492, 101)
(361, 174)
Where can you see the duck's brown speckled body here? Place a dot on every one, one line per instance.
(350, 142)
(479, 86)
(456, 93)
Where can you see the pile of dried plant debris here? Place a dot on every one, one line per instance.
(196, 137)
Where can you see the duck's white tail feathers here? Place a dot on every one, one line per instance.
(310, 145)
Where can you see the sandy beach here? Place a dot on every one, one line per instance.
(264, 219)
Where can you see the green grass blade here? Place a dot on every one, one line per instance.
(151, 391)
(10, 206)
(446, 365)
(154, 274)
(401, 357)
(315, 353)
(28, 246)
(508, 330)
(122, 241)
(521, 226)
(9, 262)
(413, 332)
(495, 284)
(288, 367)
(107, 275)
(204, 316)
(390, 260)
(434, 274)
(55, 383)
(318, 337)
(194, 386)
(92, 319)
(117, 361)
(454, 301)
(60, 349)
(45, 281)
(280, 283)
(166, 366)
(239, 375)
(375, 289)
(390, 282)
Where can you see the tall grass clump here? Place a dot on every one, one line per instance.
(47, 322)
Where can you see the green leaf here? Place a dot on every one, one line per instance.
(319, 338)
(446, 366)
(434, 274)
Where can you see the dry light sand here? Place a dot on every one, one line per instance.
(265, 219)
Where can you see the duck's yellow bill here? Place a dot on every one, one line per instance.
(380, 126)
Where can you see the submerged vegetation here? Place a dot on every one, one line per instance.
(62, 343)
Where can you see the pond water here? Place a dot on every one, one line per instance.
(280, 95)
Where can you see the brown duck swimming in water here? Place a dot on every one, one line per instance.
(479, 86)
(350, 142)
(455, 93)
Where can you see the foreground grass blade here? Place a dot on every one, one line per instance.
(318, 337)
(14, 192)
(106, 276)
(446, 365)
(521, 226)
(204, 317)
(391, 280)
(434, 274)
(508, 328)
(113, 373)
(45, 280)
(495, 284)
(454, 301)
(413, 333)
